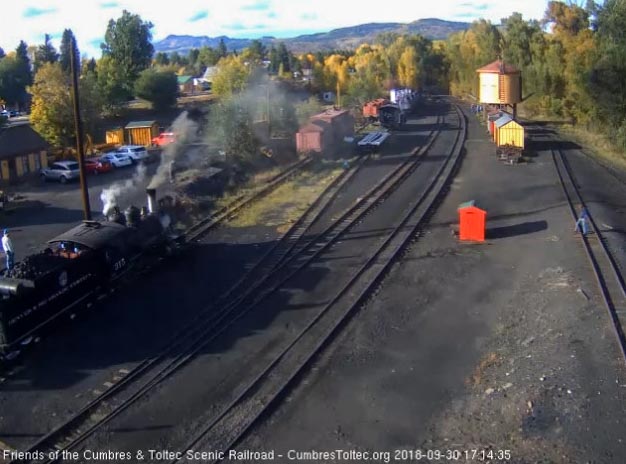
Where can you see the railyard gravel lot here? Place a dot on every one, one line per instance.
(501, 347)
(69, 367)
(206, 384)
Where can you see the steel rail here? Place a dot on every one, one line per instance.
(372, 271)
(604, 266)
(51, 440)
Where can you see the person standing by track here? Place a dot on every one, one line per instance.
(7, 246)
(581, 223)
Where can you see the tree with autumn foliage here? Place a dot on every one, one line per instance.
(52, 113)
(231, 77)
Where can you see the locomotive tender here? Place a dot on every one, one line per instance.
(76, 266)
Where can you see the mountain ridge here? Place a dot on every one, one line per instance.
(342, 38)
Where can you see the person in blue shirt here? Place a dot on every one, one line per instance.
(581, 223)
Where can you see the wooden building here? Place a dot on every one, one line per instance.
(310, 139)
(325, 133)
(115, 136)
(141, 132)
(23, 152)
(509, 132)
(185, 84)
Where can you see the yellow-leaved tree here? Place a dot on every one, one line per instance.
(408, 70)
(52, 111)
(231, 76)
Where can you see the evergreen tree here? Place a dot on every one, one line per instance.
(221, 48)
(127, 42)
(68, 42)
(161, 59)
(45, 53)
(23, 76)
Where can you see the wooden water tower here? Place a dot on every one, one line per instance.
(500, 84)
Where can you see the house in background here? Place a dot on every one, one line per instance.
(23, 152)
(205, 82)
(185, 84)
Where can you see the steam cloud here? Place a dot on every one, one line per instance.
(185, 131)
(115, 191)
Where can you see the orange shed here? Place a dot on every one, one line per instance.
(472, 222)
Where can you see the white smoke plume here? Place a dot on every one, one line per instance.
(185, 131)
(115, 191)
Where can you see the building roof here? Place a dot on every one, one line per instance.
(136, 124)
(330, 114)
(310, 127)
(20, 140)
(183, 79)
(498, 67)
(209, 73)
(503, 120)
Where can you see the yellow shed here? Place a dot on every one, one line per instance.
(115, 136)
(141, 132)
(509, 132)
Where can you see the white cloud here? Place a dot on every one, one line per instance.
(236, 18)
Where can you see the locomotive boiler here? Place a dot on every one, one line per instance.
(77, 265)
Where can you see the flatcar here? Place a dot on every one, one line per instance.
(77, 265)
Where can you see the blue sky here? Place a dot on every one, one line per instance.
(31, 19)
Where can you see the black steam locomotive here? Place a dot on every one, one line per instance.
(76, 266)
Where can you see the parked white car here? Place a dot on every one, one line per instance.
(62, 171)
(118, 160)
(136, 153)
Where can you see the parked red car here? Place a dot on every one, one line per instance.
(97, 166)
(164, 138)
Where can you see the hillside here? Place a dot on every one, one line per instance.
(343, 38)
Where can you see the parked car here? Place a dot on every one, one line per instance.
(136, 153)
(164, 138)
(117, 160)
(97, 166)
(62, 171)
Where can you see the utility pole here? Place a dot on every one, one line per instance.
(78, 131)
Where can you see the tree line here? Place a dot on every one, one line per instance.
(573, 62)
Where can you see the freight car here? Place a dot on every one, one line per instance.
(370, 109)
(391, 116)
(76, 266)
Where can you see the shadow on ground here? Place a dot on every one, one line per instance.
(516, 229)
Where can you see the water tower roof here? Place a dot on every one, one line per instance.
(498, 67)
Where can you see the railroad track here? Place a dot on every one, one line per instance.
(210, 324)
(194, 232)
(251, 402)
(608, 276)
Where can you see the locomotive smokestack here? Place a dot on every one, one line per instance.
(152, 200)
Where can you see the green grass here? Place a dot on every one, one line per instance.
(286, 204)
(597, 145)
